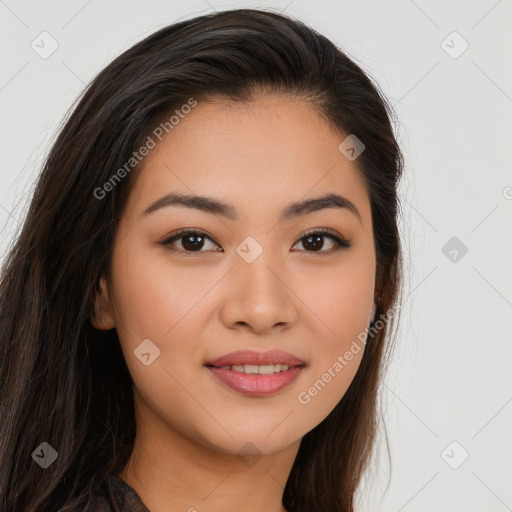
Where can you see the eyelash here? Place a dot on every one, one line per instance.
(341, 243)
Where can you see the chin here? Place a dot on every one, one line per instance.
(253, 442)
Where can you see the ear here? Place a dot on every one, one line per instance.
(103, 317)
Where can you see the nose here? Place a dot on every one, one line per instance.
(258, 298)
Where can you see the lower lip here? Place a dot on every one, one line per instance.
(255, 384)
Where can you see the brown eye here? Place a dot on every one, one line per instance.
(313, 241)
(190, 241)
(194, 241)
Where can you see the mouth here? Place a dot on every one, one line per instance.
(250, 358)
(256, 374)
(253, 369)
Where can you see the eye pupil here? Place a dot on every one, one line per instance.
(316, 238)
(197, 244)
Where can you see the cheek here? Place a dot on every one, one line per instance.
(338, 307)
(327, 383)
(153, 296)
(165, 303)
(343, 306)
(337, 302)
(156, 301)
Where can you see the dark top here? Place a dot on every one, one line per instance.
(115, 495)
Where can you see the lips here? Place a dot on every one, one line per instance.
(256, 385)
(242, 357)
(250, 373)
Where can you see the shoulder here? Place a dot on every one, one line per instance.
(113, 495)
(123, 496)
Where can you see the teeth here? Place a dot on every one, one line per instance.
(266, 369)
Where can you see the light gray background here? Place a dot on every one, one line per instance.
(450, 379)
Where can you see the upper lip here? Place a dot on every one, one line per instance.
(242, 357)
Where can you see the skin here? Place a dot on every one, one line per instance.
(197, 306)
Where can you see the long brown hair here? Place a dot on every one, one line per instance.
(66, 383)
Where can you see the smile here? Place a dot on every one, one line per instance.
(254, 380)
(265, 369)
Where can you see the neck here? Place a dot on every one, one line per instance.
(171, 471)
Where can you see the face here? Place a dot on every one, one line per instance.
(246, 276)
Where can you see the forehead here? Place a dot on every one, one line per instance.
(264, 152)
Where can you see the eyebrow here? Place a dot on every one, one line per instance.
(216, 207)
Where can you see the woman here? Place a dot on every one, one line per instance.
(198, 308)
